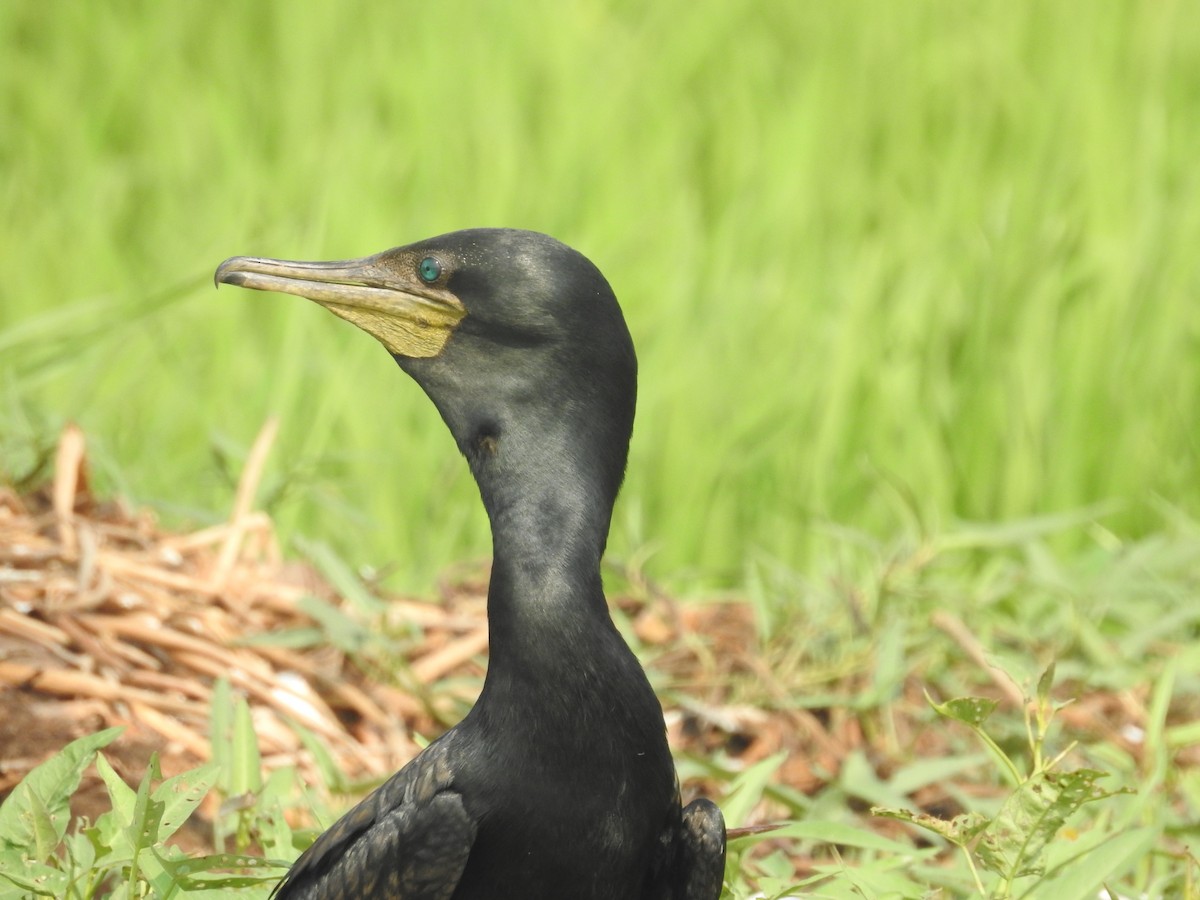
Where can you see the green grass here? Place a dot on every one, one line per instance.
(881, 260)
(1067, 807)
(893, 270)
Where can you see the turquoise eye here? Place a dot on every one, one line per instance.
(429, 269)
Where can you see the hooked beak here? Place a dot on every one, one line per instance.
(381, 294)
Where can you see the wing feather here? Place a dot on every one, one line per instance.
(409, 840)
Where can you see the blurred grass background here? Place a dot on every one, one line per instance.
(898, 266)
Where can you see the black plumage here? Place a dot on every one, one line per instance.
(559, 782)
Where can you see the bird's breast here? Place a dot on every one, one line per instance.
(577, 815)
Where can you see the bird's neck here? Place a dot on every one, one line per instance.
(555, 655)
(549, 514)
(546, 546)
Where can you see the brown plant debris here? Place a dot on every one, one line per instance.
(107, 619)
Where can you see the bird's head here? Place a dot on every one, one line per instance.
(516, 338)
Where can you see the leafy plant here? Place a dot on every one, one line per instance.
(1012, 843)
(125, 852)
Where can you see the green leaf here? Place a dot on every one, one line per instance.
(916, 775)
(1117, 855)
(142, 831)
(343, 631)
(960, 830)
(334, 779)
(857, 777)
(878, 881)
(80, 857)
(890, 666)
(35, 815)
(198, 872)
(47, 827)
(844, 835)
(12, 861)
(221, 732)
(35, 878)
(1013, 845)
(1021, 531)
(246, 774)
(748, 787)
(300, 638)
(1045, 683)
(274, 833)
(342, 577)
(110, 834)
(181, 794)
(121, 795)
(971, 711)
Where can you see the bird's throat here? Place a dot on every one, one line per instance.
(546, 595)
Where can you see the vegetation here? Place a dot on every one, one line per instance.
(1105, 800)
(914, 291)
(881, 260)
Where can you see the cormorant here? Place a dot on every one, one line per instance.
(559, 782)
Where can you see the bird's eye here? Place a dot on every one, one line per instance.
(429, 270)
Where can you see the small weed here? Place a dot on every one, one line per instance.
(1013, 843)
(125, 853)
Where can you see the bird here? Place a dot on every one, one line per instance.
(559, 782)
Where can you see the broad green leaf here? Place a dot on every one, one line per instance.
(46, 826)
(121, 795)
(12, 859)
(35, 815)
(181, 794)
(80, 859)
(35, 878)
(110, 834)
